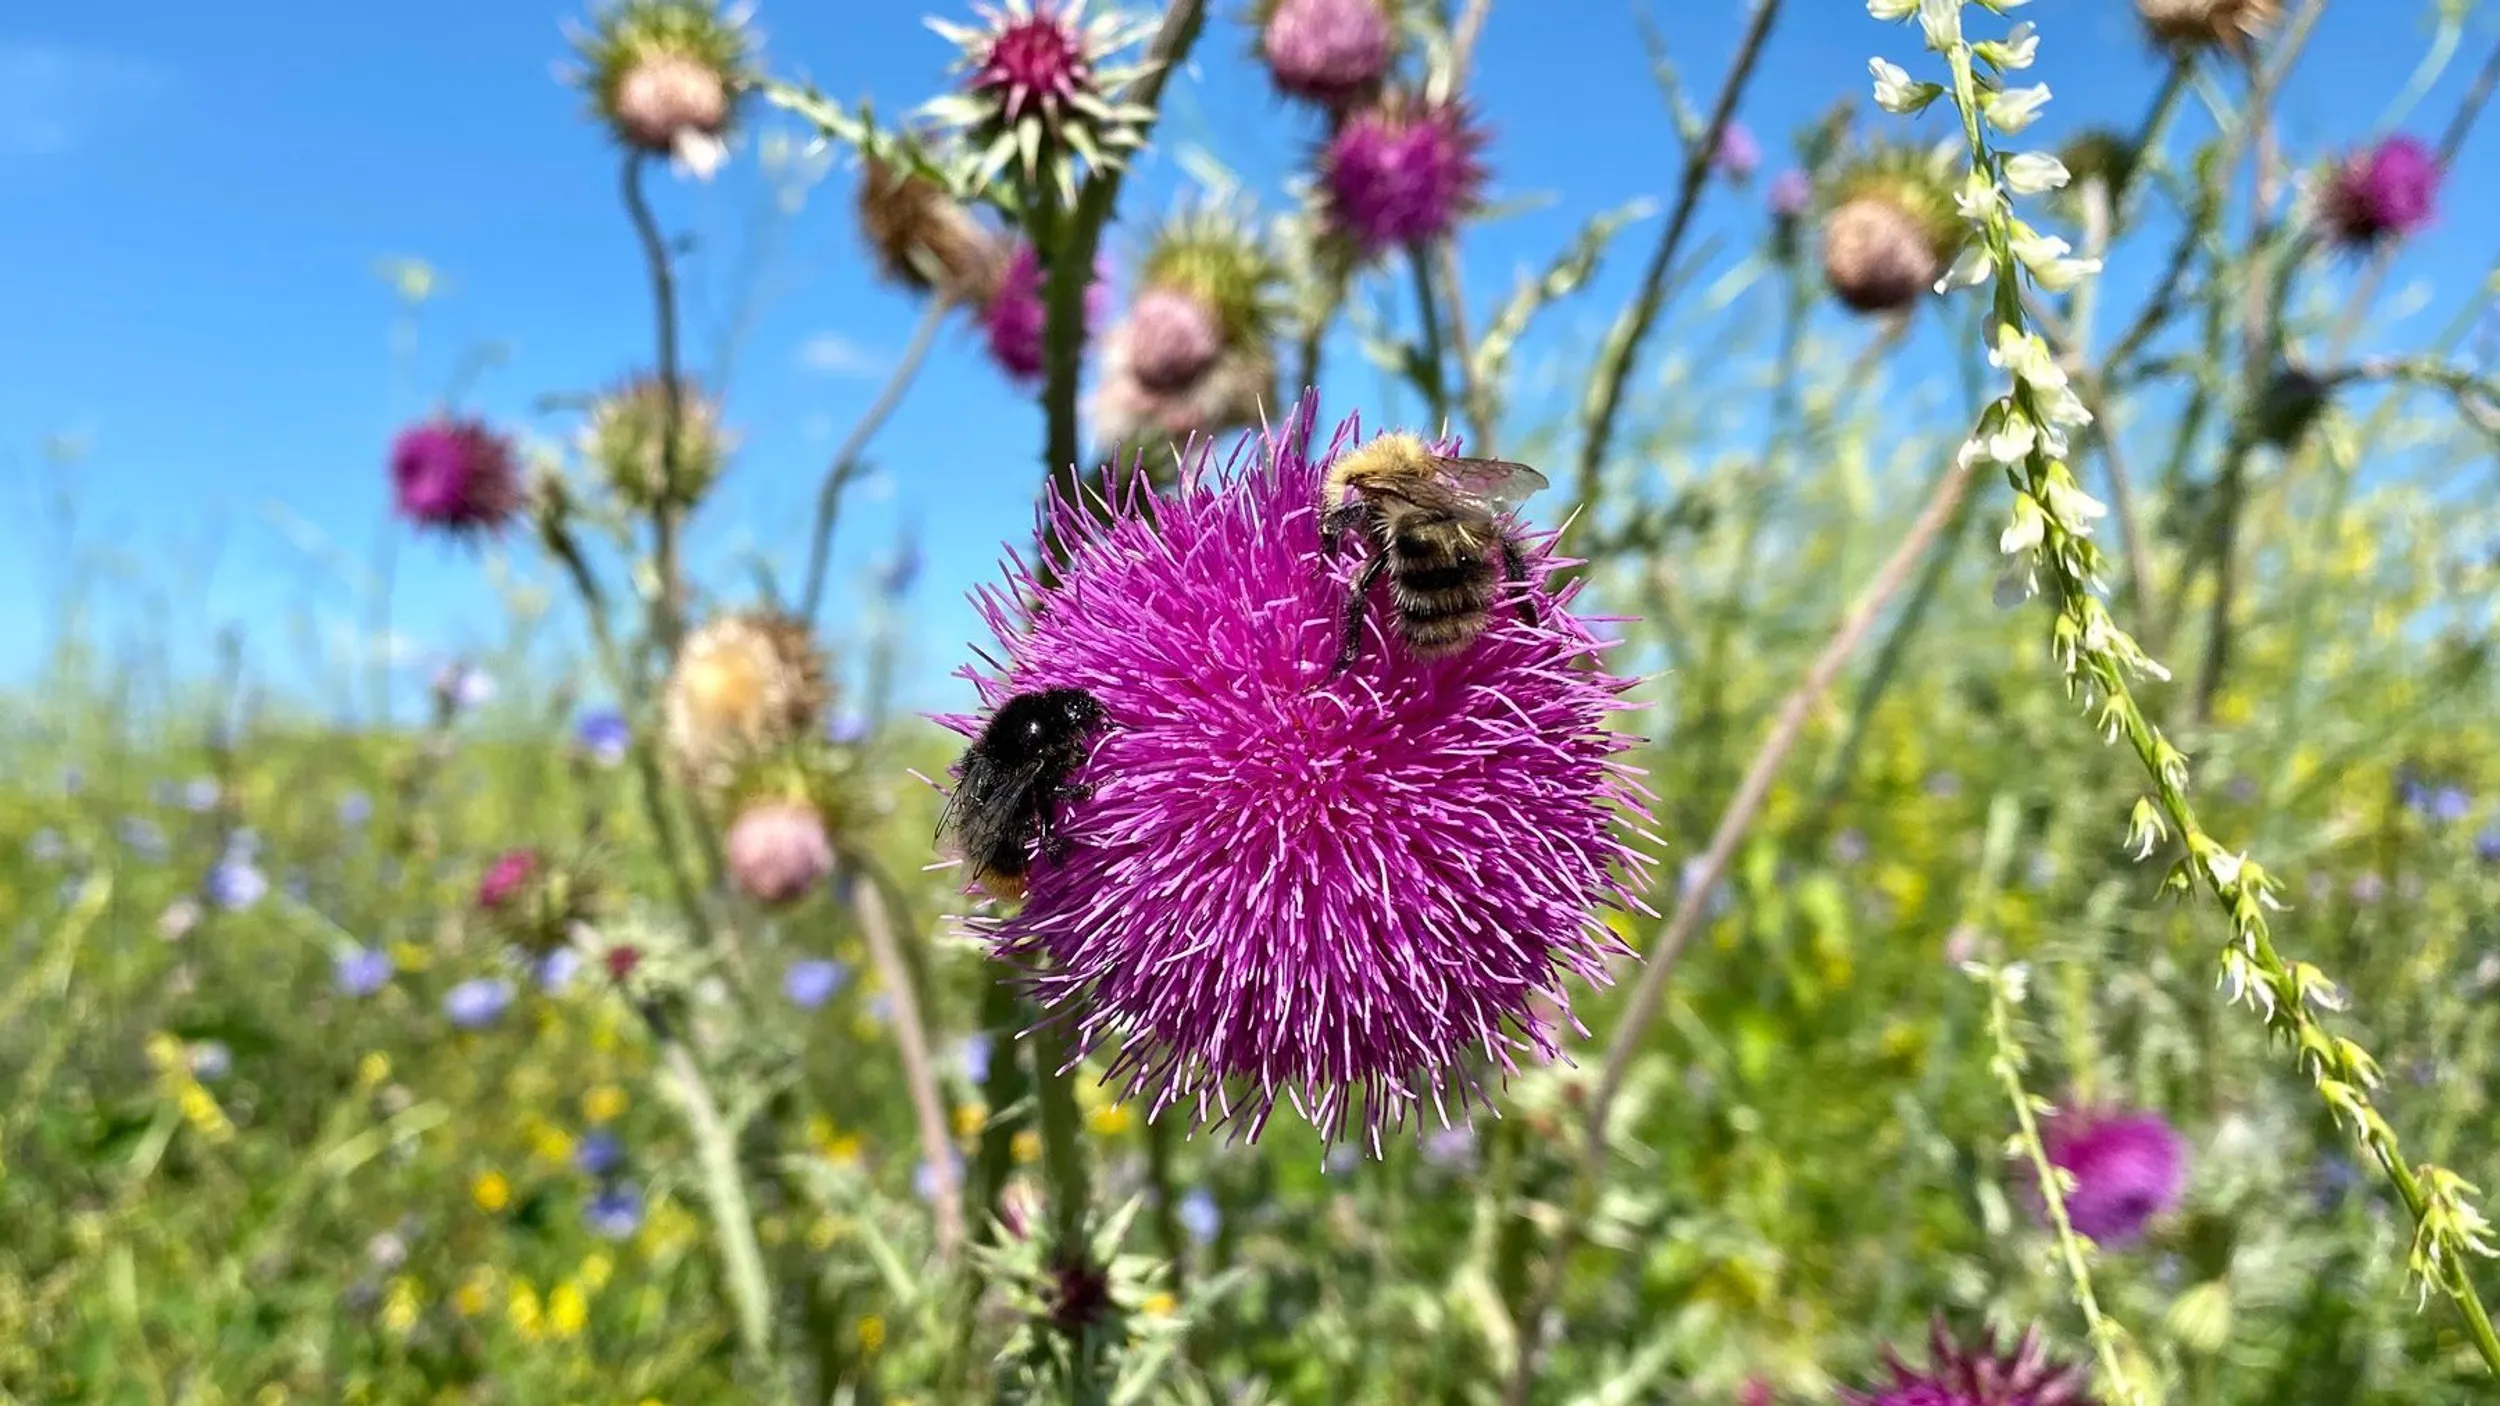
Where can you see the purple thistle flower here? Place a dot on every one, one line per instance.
(1402, 173)
(361, 971)
(616, 1212)
(1791, 192)
(2381, 194)
(2127, 1169)
(1036, 66)
(1288, 884)
(1331, 52)
(456, 476)
(474, 1005)
(1978, 1376)
(1739, 155)
(811, 982)
(605, 736)
(1016, 315)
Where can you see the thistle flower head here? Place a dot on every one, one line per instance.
(1195, 352)
(534, 900)
(1739, 154)
(454, 476)
(924, 239)
(1016, 317)
(1040, 91)
(1350, 892)
(2127, 1169)
(501, 885)
(1330, 52)
(2202, 24)
(2101, 154)
(1404, 171)
(666, 75)
(627, 436)
(1217, 259)
(2380, 194)
(1171, 338)
(745, 684)
(1891, 230)
(1979, 1375)
(1131, 412)
(778, 851)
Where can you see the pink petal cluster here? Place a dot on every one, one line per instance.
(1978, 1376)
(2127, 1169)
(1332, 52)
(454, 475)
(777, 852)
(506, 877)
(2384, 193)
(1016, 317)
(1358, 893)
(1402, 174)
(1172, 339)
(1036, 65)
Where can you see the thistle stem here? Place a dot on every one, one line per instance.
(847, 461)
(911, 1042)
(667, 612)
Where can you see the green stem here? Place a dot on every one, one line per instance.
(846, 460)
(1063, 1135)
(733, 1219)
(667, 615)
(1434, 354)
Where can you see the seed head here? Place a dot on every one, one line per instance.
(1891, 232)
(1330, 52)
(666, 76)
(744, 684)
(454, 476)
(1978, 1376)
(1402, 172)
(1358, 893)
(628, 430)
(778, 851)
(924, 238)
(2199, 24)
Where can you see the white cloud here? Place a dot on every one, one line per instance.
(832, 354)
(54, 95)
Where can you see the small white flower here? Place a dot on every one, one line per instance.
(2034, 173)
(2013, 441)
(2074, 509)
(2010, 110)
(1896, 91)
(1978, 200)
(1971, 268)
(2027, 357)
(698, 154)
(2015, 51)
(2045, 255)
(2061, 408)
(1892, 10)
(1942, 19)
(2024, 531)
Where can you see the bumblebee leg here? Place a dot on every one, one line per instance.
(1054, 845)
(1358, 597)
(1332, 527)
(1515, 567)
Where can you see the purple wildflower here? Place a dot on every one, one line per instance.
(456, 476)
(1015, 316)
(557, 969)
(236, 883)
(848, 729)
(354, 809)
(604, 735)
(1791, 192)
(143, 837)
(811, 982)
(1739, 155)
(361, 971)
(1978, 1376)
(616, 1212)
(1329, 889)
(504, 879)
(474, 1005)
(778, 851)
(976, 1056)
(201, 794)
(460, 686)
(2381, 194)
(1402, 173)
(2487, 843)
(2127, 1169)
(598, 1154)
(1036, 66)
(1331, 52)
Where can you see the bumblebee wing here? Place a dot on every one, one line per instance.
(1497, 483)
(990, 809)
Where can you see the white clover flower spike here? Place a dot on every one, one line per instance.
(1897, 92)
(1942, 19)
(2010, 110)
(2034, 173)
(1892, 11)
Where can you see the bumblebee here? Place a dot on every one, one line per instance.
(1012, 781)
(1435, 525)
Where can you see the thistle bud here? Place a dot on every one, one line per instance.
(924, 239)
(627, 437)
(1330, 52)
(1891, 233)
(778, 851)
(2202, 24)
(744, 685)
(666, 76)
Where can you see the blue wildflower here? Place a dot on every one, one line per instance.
(616, 1212)
(73, 779)
(556, 969)
(605, 735)
(461, 686)
(46, 846)
(211, 1061)
(1199, 1216)
(474, 1005)
(355, 808)
(2487, 844)
(361, 971)
(811, 982)
(235, 883)
(201, 794)
(847, 729)
(1452, 1148)
(924, 1176)
(598, 1154)
(976, 1056)
(142, 837)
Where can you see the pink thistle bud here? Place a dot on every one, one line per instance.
(1331, 52)
(778, 852)
(504, 880)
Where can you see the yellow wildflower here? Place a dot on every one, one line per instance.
(553, 1145)
(567, 1310)
(1026, 1145)
(469, 1300)
(400, 1307)
(200, 1109)
(969, 1117)
(411, 956)
(871, 1334)
(595, 1272)
(1160, 1305)
(522, 1307)
(491, 1192)
(1111, 1120)
(843, 1151)
(373, 1071)
(604, 1104)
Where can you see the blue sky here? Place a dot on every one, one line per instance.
(198, 197)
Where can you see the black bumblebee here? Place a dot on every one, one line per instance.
(1012, 780)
